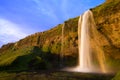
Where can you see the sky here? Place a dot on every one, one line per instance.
(20, 18)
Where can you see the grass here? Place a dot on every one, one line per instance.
(19, 60)
(10, 55)
(54, 75)
(117, 77)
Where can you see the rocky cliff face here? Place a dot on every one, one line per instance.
(107, 19)
(108, 25)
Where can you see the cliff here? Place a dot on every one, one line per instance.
(44, 48)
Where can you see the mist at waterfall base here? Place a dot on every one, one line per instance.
(85, 59)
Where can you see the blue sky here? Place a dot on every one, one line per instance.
(19, 18)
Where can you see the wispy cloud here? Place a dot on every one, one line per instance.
(46, 8)
(9, 31)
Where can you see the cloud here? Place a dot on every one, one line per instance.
(52, 8)
(10, 31)
(45, 8)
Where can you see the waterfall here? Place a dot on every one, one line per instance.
(62, 46)
(84, 48)
(86, 29)
(86, 62)
(88, 42)
(85, 59)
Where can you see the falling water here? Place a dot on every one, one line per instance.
(86, 61)
(84, 49)
(86, 21)
(62, 46)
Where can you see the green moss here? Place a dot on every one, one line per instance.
(117, 77)
(45, 48)
(56, 48)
